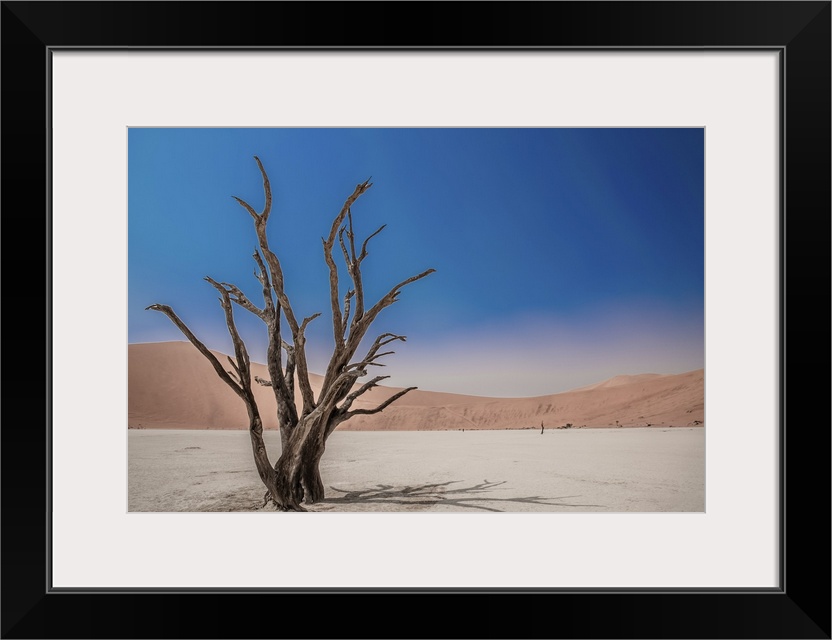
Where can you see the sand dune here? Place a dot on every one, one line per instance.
(171, 385)
(618, 381)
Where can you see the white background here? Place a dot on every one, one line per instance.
(96, 96)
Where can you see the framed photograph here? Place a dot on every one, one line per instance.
(136, 115)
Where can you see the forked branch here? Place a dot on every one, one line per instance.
(243, 366)
(338, 320)
(382, 406)
(263, 217)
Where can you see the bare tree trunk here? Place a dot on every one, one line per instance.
(261, 459)
(310, 474)
(298, 467)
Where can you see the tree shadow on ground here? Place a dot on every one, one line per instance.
(441, 493)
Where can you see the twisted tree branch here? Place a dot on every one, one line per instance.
(382, 406)
(222, 373)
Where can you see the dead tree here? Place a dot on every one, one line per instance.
(295, 477)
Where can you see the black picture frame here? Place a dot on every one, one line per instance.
(799, 608)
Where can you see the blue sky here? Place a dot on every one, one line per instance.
(563, 256)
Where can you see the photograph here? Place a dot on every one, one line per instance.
(418, 320)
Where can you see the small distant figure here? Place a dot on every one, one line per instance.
(541, 428)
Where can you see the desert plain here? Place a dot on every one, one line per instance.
(633, 443)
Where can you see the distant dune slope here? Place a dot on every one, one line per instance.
(171, 385)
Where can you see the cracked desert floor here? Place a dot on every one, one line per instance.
(513, 471)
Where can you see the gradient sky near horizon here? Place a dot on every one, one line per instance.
(563, 257)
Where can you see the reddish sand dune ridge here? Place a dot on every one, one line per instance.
(171, 385)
